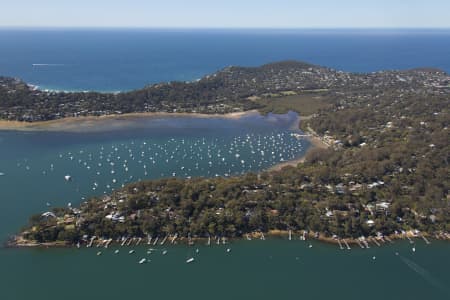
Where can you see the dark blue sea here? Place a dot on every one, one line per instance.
(125, 59)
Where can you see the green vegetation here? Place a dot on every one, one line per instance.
(386, 170)
(306, 104)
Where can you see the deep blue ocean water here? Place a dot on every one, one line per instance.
(124, 59)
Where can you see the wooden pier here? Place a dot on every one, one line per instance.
(340, 245)
(346, 244)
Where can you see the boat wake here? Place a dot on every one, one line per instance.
(48, 65)
(425, 274)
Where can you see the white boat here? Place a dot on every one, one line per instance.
(190, 260)
(116, 252)
(228, 250)
(131, 252)
(414, 249)
(142, 261)
(164, 252)
(2, 174)
(99, 253)
(67, 177)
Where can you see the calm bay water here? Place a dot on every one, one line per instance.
(35, 163)
(271, 269)
(100, 159)
(116, 60)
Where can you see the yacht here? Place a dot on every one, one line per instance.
(142, 261)
(190, 260)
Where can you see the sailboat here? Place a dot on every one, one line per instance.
(189, 260)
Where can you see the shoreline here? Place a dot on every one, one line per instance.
(83, 122)
(363, 242)
(316, 143)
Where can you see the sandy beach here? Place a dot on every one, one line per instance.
(316, 143)
(89, 122)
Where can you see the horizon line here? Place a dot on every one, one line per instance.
(222, 28)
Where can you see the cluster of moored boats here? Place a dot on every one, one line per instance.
(105, 243)
(105, 168)
(362, 242)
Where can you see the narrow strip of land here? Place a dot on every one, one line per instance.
(86, 122)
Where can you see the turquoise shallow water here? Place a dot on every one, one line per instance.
(35, 163)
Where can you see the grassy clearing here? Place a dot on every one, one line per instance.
(305, 104)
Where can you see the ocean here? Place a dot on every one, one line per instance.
(126, 59)
(102, 158)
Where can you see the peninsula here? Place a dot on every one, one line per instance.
(384, 173)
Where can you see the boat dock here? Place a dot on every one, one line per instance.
(425, 239)
(346, 244)
(108, 242)
(91, 241)
(388, 239)
(375, 241)
(340, 244)
(174, 238)
(303, 237)
(359, 243)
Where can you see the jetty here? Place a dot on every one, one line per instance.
(388, 239)
(375, 241)
(174, 238)
(346, 244)
(340, 245)
(108, 242)
(89, 245)
(425, 239)
(362, 239)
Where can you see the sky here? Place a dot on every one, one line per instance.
(226, 13)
